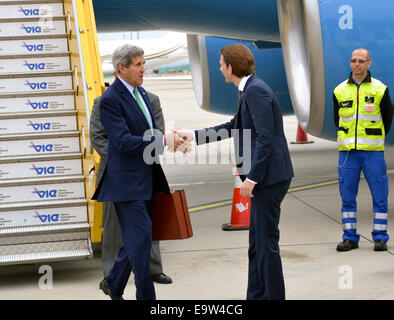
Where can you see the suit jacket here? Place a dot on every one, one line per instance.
(127, 176)
(99, 137)
(259, 111)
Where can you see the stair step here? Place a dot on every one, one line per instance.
(47, 114)
(35, 55)
(40, 157)
(38, 135)
(40, 252)
(66, 235)
(41, 180)
(42, 229)
(37, 74)
(42, 204)
(46, 228)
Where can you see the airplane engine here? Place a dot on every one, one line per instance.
(213, 93)
(317, 39)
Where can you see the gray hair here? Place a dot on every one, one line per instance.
(124, 55)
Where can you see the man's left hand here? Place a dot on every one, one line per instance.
(246, 189)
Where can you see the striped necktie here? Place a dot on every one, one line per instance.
(141, 105)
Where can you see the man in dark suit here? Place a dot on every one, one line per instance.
(112, 240)
(263, 162)
(131, 175)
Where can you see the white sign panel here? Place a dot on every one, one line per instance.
(39, 146)
(42, 192)
(33, 217)
(33, 46)
(35, 84)
(32, 11)
(37, 104)
(38, 169)
(36, 125)
(32, 28)
(27, 65)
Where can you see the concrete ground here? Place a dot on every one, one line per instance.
(213, 263)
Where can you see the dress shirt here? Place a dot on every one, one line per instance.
(131, 89)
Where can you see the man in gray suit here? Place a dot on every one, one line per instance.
(112, 240)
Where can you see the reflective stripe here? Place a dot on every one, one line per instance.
(361, 117)
(348, 215)
(382, 216)
(380, 227)
(372, 142)
(343, 142)
(353, 117)
(369, 118)
(347, 226)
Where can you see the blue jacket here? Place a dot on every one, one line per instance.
(269, 156)
(127, 175)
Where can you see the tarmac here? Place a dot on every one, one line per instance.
(213, 263)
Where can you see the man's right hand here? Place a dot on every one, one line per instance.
(176, 142)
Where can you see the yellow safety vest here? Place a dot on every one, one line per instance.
(360, 120)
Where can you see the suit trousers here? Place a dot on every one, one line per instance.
(136, 228)
(265, 276)
(112, 242)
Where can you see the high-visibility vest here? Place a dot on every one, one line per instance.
(360, 119)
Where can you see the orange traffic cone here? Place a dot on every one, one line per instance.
(302, 137)
(240, 212)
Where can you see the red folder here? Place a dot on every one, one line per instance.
(170, 217)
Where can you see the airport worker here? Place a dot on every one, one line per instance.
(130, 177)
(112, 240)
(362, 114)
(266, 169)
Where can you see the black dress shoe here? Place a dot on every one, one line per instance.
(347, 245)
(380, 245)
(161, 278)
(101, 285)
(107, 291)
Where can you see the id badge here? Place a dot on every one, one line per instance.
(369, 107)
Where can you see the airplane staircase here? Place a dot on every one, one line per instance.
(50, 72)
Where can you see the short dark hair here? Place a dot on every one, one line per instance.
(240, 58)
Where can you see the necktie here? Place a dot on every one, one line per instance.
(141, 105)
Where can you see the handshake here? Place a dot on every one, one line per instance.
(179, 141)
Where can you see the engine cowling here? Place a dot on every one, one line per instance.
(253, 20)
(213, 93)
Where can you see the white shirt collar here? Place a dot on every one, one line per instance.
(242, 84)
(127, 85)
